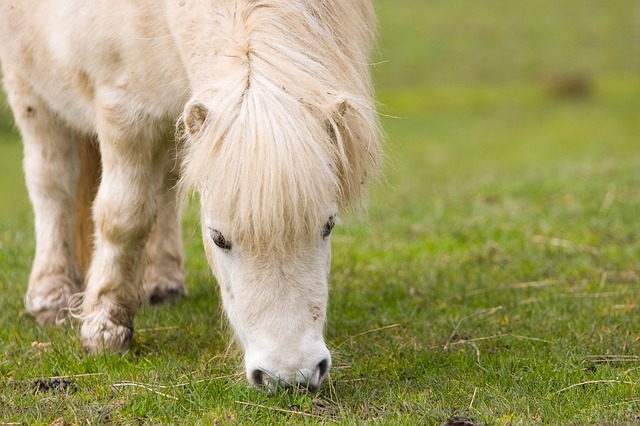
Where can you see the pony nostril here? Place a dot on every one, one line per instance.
(258, 377)
(323, 367)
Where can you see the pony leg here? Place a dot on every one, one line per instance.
(51, 166)
(164, 279)
(124, 211)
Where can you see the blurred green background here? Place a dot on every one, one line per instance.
(500, 89)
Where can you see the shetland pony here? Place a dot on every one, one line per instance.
(276, 132)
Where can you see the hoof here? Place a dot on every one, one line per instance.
(48, 299)
(166, 294)
(99, 333)
(163, 291)
(46, 317)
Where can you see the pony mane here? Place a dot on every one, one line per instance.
(291, 130)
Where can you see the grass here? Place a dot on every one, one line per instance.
(497, 277)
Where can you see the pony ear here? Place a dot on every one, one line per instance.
(341, 105)
(337, 110)
(353, 129)
(195, 114)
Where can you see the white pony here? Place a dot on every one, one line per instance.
(277, 132)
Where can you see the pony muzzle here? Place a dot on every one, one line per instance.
(270, 377)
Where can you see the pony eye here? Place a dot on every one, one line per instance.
(219, 240)
(326, 231)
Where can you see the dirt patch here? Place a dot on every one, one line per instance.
(322, 408)
(53, 384)
(459, 421)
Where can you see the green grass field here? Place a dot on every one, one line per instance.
(496, 278)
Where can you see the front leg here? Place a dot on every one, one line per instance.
(51, 166)
(133, 155)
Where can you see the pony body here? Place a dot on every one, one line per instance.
(277, 133)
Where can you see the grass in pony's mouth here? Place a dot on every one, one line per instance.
(495, 281)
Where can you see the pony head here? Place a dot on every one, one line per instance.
(276, 148)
